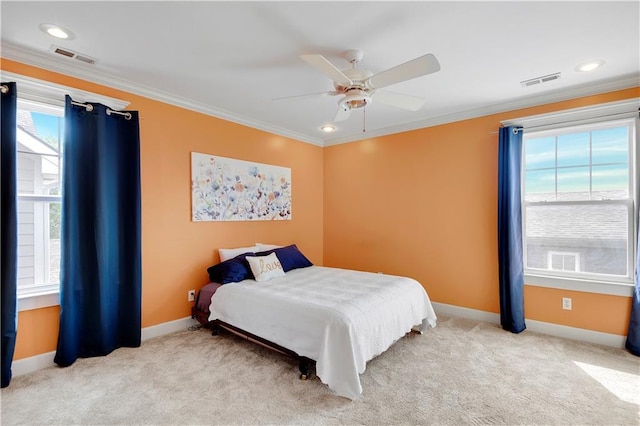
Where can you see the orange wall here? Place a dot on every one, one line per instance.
(176, 251)
(598, 312)
(419, 203)
(424, 204)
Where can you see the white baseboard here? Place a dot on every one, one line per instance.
(573, 333)
(551, 329)
(167, 327)
(459, 311)
(31, 364)
(38, 362)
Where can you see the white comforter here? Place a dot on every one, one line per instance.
(340, 318)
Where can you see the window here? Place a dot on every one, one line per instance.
(579, 201)
(39, 152)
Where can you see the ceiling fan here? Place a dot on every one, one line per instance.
(359, 87)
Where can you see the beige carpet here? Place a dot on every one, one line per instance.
(462, 372)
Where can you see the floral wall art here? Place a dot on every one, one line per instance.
(226, 189)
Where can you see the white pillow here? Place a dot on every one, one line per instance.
(226, 254)
(265, 267)
(265, 247)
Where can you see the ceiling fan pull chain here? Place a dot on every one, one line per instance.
(364, 119)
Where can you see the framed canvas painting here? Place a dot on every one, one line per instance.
(226, 189)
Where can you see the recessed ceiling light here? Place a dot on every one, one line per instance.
(589, 66)
(57, 31)
(327, 128)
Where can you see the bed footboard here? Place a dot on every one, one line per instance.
(305, 364)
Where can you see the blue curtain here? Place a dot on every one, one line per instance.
(9, 228)
(100, 272)
(633, 337)
(511, 271)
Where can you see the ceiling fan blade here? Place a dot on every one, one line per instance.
(307, 96)
(342, 114)
(411, 103)
(327, 68)
(418, 67)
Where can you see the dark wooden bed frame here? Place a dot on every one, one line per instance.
(305, 364)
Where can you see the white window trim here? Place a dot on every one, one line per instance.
(580, 284)
(582, 115)
(586, 115)
(49, 98)
(44, 298)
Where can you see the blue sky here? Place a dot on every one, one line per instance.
(46, 125)
(609, 161)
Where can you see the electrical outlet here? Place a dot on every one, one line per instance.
(566, 303)
(191, 296)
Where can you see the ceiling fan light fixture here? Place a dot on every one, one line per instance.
(355, 99)
(358, 86)
(57, 31)
(590, 65)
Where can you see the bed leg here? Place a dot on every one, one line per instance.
(215, 330)
(304, 369)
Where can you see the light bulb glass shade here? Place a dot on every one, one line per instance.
(57, 31)
(589, 66)
(355, 99)
(355, 104)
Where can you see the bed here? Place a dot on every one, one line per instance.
(337, 318)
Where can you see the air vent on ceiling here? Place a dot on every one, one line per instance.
(72, 55)
(539, 80)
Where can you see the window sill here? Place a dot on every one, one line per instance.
(38, 300)
(588, 286)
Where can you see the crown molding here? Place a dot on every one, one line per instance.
(89, 73)
(626, 82)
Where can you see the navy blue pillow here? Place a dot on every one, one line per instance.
(290, 257)
(231, 270)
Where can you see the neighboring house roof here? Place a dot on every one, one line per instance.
(25, 121)
(28, 136)
(28, 141)
(599, 222)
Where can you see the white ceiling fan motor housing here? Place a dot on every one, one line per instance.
(357, 95)
(355, 99)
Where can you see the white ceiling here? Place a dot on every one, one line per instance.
(231, 59)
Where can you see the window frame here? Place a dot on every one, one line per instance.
(577, 281)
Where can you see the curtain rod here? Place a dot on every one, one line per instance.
(89, 107)
(517, 129)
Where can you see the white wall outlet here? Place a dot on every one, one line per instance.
(191, 296)
(566, 303)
